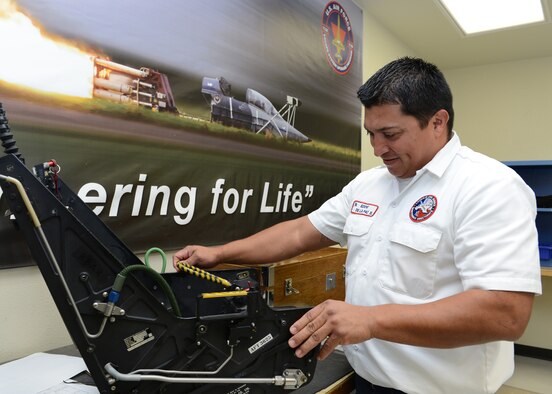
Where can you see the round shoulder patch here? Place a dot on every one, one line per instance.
(423, 208)
(337, 37)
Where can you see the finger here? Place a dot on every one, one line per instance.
(182, 254)
(302, 329)
(311, 333)
(328, 347)
(183, 258)
(308, 317)
(312, 341)
(176, 260)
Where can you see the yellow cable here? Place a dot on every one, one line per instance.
(220, 294)
(190, 269)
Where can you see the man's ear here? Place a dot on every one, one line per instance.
(439, 122)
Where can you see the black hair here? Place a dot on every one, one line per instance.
(419, 87)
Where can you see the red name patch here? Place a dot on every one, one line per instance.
(364, 208)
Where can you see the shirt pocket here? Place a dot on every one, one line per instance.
(357, 225)
(356, 228)
(410, 264)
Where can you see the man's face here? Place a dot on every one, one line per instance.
(398, 139)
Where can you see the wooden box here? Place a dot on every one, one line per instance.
(306, 280)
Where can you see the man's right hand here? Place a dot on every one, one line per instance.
(201, 256)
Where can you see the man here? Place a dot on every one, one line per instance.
(442, 262)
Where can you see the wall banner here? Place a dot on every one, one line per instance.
(184, 122)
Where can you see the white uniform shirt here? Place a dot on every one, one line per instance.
(465, 221)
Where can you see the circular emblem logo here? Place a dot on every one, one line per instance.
(337, 37)
(423, 208)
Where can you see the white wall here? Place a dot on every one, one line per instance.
(29, 321)
(502, 109)
(379, 48)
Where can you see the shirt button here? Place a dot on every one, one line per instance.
(364, 273)
(355, 347)
(393, 205)
(379, 238)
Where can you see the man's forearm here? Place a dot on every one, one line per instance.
(469, 318)
(281, 241)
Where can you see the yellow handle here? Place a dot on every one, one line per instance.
(190, 269)
(220, 294)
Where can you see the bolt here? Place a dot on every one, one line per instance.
(90, 349)
(112, 319)
(105, 294)
(113, 388)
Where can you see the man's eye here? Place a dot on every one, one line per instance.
(390, 136)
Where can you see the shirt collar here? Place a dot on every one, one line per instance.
(444, 157)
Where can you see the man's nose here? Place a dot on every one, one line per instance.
(379, 145)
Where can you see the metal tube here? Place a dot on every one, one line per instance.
(46, 245)
(143, 73)
(110, 85)
(147, 85)
(174, 372)
(113, 96)
(276, 380)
